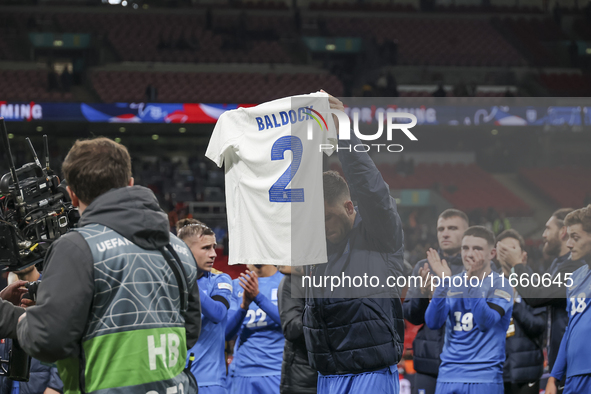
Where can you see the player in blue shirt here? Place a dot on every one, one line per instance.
(254, 319)
(477, 313)
(575, 348)
(206, 359)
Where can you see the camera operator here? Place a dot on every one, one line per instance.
(10, 313)
(109, 308)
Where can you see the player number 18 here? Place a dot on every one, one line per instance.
(578, 305)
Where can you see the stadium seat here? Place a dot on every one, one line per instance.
(434, 41)
(28, 85)
(564, 186)
(115, 86)
(467, 187)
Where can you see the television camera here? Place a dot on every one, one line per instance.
(35, 210)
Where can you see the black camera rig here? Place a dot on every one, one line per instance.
(35, 209)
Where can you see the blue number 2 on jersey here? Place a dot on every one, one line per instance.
(278, 192)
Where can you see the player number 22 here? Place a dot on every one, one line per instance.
(463, 323)
(279, 191)
(252, 315)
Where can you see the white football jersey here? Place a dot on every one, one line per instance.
(274, 194)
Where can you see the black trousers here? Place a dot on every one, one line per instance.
(522, 388)
(424, 384)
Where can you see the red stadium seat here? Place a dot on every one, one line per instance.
(212, 87)
(564, 186)
(467, 187)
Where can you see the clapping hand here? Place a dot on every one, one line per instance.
(249, 281)
(509, 256)
(426, 277)
(439, 266)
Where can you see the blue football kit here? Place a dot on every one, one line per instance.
(575, 348)
(258, 351)
(209, 364)
(476, 320)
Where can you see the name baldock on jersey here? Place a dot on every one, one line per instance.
(274, 195)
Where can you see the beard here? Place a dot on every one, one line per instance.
(21, 274)
(345, 227)
(552, 247)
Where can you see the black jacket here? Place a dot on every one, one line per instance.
(53, 328)
(525, 359)
(354, 335)
(553, 296)
(428, 344)
(296, 374)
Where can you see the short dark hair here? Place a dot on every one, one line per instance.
(580, 216)
(481, 232)
(454, 213)
(512, 233)
(560, 215)
(186, 228)
(335, 187)
(95, 166)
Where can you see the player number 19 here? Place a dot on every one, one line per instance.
(463, 323)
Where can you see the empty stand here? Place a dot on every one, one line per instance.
(479, 9)
(582, 28)
(565, 186)
(361, 6)
(9, 37)
(562, 84)
(27, 85)
(423, 92)
(467, 187)
(7, 51)
(250, 37)
(113, 86)
(376, 6)
(183, 38)
(434, 41)
(529, 36)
